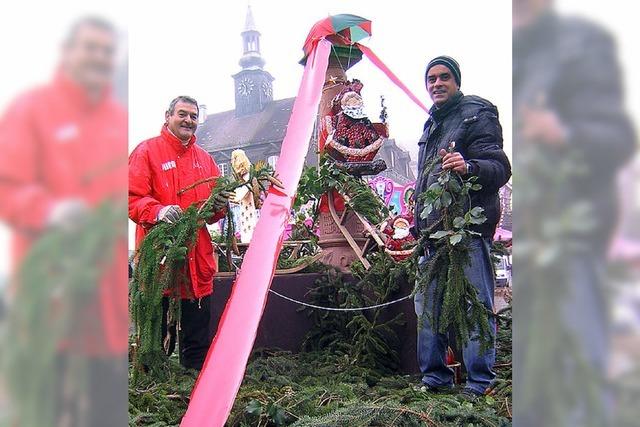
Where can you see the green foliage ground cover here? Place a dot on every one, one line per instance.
(321, 388)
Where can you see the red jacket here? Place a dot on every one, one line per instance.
(56, 144)
(158, 169)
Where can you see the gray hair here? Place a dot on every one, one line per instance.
(90, 21)
(182, 98)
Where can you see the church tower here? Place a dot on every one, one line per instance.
(253, 85)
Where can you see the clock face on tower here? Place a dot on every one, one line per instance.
(267, 90)
(245, 87)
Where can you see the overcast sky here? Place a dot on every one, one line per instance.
(195, 50)
(194, 47)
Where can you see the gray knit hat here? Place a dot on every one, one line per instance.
(448, 62)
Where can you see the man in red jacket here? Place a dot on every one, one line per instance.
(64, 150)
(158, 169)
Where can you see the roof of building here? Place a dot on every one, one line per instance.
(223, 131)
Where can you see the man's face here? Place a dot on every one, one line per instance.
(88, 59)
(441, 84)
(526, 12)
(184, 120)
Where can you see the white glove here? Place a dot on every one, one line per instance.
(169, 213)
(67, 213)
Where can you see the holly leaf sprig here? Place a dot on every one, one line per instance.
(442, 278)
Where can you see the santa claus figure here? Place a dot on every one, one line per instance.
(351, 135)
(400, 242)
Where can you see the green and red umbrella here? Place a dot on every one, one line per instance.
(347, 28)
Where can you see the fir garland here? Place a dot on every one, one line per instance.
(160, 264)
(454, 304)
(327, 177)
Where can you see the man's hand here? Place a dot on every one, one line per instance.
(453, 161)
(540, 124)
(169, 213)
(221, 200)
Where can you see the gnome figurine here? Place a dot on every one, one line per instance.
(243, 197)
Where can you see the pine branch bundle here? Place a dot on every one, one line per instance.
(454, 302)
(160, 267)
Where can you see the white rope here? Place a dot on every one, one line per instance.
(371, 307)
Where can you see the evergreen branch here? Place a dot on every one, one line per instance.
(160, 268)
(452, 299)
(315, 182)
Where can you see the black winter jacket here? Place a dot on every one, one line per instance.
(472, 122)
(570, 66)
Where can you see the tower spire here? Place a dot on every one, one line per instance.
(253, 85)
(249, 23)
(251, 57)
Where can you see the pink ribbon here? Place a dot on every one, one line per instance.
(382, 66)
(216, 388)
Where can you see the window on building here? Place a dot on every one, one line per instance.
(272, 161)
(224, 169)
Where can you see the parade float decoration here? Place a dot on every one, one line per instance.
(350, 142)
(399, 199)
(330, 49)
(299, 250)
(351, 137)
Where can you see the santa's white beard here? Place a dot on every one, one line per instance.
(400, 233)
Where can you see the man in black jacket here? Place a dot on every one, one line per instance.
(572, 137)
(470, 125)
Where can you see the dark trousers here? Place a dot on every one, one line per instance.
(195, 335)
(432, 346)
(90, 391)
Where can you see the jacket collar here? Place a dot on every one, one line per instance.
(78, 95)
(537, 35)
(440, 113)
(175, 142)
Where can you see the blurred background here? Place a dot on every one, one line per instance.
(63, 181)
(576, 295)
(576, 107)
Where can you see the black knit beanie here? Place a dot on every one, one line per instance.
(448, 62)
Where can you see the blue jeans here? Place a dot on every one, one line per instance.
(432, 346)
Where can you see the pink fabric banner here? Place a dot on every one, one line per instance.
(216, 388)
(378, 63)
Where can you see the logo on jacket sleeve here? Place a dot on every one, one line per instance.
(67, 132)
(168, 165)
